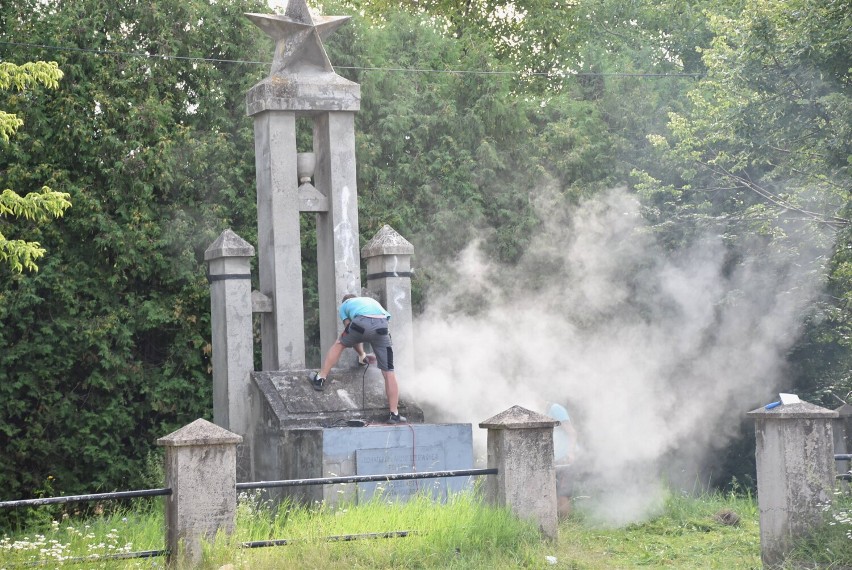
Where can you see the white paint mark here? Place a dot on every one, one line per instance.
(343, 235)
(344, 395)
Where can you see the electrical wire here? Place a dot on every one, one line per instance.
(353, 68)
(363, 389)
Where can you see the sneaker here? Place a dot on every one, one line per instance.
(397, 419)
(317, 382)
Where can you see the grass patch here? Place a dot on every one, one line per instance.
(712, 531)
(461, 533)
(84, 542)
(831, 547)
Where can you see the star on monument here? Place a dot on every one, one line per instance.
(298, 38)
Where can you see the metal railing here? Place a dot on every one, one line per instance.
(243, 486)
(365, 478)
(81, 498)
(843, 457)
(89, 498)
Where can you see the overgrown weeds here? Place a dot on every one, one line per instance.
(711, 531)
(831, 547)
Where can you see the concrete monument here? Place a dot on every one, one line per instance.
(289, 430)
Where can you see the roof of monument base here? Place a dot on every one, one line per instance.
(291, 402)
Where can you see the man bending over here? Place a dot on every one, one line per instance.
(364, 320)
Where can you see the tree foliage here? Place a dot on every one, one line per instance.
(35, 206)
(106, 348)
(766, 144)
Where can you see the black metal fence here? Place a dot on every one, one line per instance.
(89, 498)
(244, 486)
(844, 457)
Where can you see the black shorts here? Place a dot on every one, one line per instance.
(376, 332)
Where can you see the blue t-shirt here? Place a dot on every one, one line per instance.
(561, 440)
(356, 306)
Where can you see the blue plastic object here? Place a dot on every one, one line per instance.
(772, 405)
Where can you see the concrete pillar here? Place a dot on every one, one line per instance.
(229, 272)
(843, 436)
(388, 257)
(279, 244)
(201, 471)
(302, 83)
(795, 474)
(520, 446)
(338, 262)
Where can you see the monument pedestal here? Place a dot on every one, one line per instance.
(376, 449)
(301, 433)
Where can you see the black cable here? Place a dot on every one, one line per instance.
(363, 388)
(564, 74)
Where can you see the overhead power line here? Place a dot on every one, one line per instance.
(355, 68)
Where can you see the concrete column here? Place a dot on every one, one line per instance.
(520, 446)
(795, 474)
(338, 262)
(228, 270)
(279, 244)
(201, 471)
(388, 257)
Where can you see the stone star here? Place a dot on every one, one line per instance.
(298, 38)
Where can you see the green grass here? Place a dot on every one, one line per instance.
(831, 547)
(462, 533)
(690, 533)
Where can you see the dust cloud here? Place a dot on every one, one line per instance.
(657, 356)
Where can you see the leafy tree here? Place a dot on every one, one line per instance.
(766, 145)
(38, 207)
(526, 34)
(107, 347)
(437, 152)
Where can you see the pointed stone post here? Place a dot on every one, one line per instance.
(201, 471)
(795, 474)
(388, 257)
(520, 447)
(229, 273)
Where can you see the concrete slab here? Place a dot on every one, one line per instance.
(350, 394)
(382, 449)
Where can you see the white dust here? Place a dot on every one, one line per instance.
(658, 356)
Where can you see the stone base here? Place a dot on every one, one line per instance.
(375, 449)
(302, 433)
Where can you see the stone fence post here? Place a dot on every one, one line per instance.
(795, 474)
(520, 446)
(201, 471)
(388, 257)
(229, 272)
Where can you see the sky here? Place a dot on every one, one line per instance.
(657, 357)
